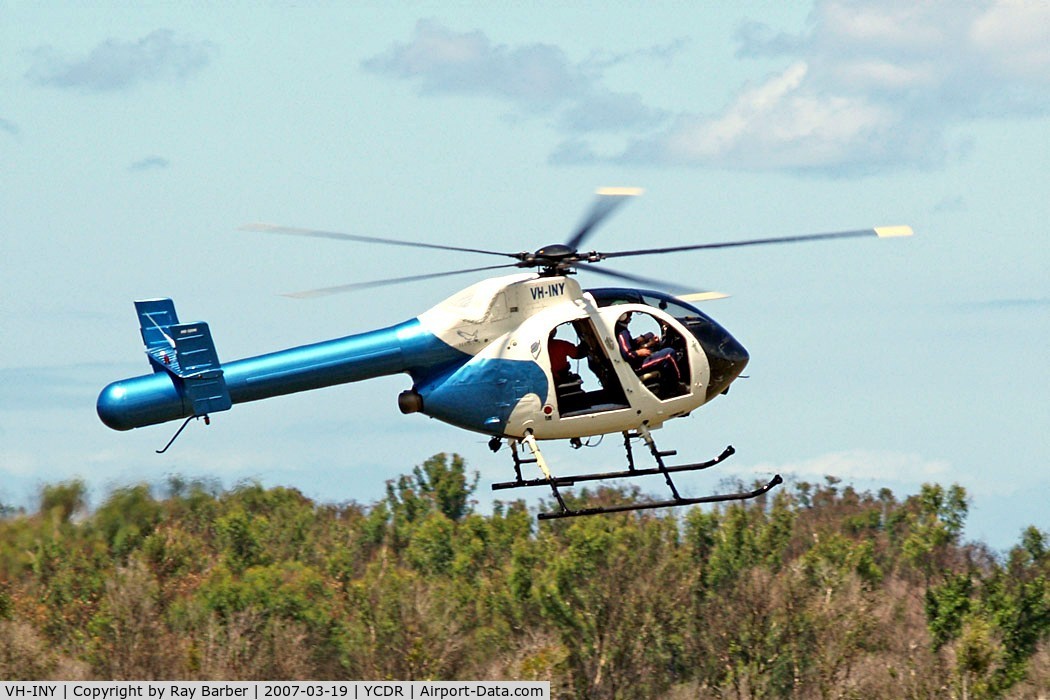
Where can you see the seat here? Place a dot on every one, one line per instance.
(572, 385)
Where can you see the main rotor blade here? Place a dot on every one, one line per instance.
(672, 287)
(336, 235)
(880, 231)
(608, 199)
(326, 291)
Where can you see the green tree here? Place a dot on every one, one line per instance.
(438, 484)
(935, 525)
(824, 591)
(126, 518)
(947, 606)
(62, 501)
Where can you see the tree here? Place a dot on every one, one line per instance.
(441, 484)
(936, 523)
(63, 500)
(437, 486)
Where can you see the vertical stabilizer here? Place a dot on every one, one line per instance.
(186, 352)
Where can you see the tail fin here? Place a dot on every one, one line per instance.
(186, 352)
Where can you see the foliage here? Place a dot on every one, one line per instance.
(815, 591)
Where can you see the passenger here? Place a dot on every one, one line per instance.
(640, 354)
(559, 352)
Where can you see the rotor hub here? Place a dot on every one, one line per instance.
(555, 252)
(555, 259)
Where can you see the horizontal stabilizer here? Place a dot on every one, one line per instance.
(194, 348)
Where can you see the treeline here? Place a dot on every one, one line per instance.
(815, 591)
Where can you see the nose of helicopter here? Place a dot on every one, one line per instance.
(726, 356)
(727, 361)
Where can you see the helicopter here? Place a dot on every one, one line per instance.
(495, 358)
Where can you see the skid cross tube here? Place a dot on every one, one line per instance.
(629, 473)
(652, 505)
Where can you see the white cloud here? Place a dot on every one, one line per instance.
(873, 86)
(872, 469)
(534, 78)
(868, 86)
(1015, 36)
(780, 124)
(883, 75)
(119, 65)
(884, 466)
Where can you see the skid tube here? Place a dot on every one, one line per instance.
(652, 505)
(643, 432)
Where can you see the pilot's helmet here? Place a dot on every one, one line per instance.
(624, 319)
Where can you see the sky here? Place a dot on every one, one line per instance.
(136, 139)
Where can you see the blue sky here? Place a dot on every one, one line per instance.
(135, 140)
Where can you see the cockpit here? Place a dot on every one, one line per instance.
(725, 354)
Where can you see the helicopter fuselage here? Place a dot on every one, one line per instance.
(481, 360)
(521, 358)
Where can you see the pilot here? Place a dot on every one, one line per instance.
(640, 354)
(560, 351)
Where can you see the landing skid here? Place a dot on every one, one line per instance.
(652, 505)
(565, 481)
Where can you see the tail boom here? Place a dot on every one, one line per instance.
(176, 390)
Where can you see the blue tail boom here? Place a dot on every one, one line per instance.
(188, 379)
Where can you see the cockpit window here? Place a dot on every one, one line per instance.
(702, 326)
(676, 308)
(610, 296)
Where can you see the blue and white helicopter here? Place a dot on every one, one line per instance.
(496, 358)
